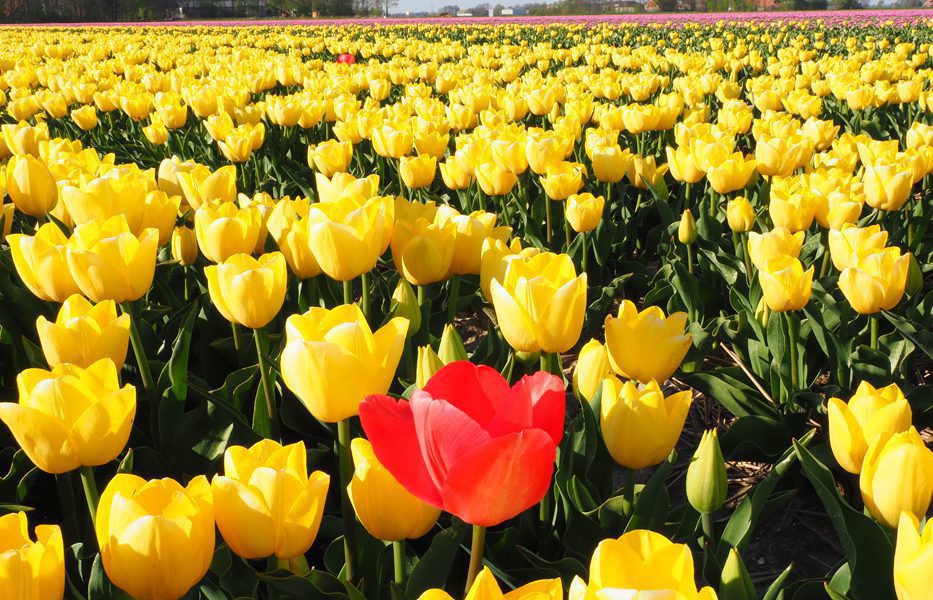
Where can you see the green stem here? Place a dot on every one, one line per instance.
(364, 281)
(824, 267)
(583, 251)
(64, 483)
(628, 492)
(137, 342)
(349, 519)
(706, 521)
(792, 343)
(689, 258)
(237, 343)
(873, 320)
(477, 547)
(547, 219)
(268, 390)
(348, 292)
(398, 560)
(452, 298)
(90, 491)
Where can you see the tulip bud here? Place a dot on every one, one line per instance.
(762, 313)
(740, 215)
(706, 476)
(184, 246)
(592, 367)
(687, 231)
(405, 304)
(451, 348)
(735, 582)
(429, 363)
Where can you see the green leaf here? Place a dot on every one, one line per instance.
(723, 386)
(172, 405)
(777, 586)
(652, 502)
(432, 569)
(921, 338)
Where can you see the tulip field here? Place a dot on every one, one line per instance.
(591, 309)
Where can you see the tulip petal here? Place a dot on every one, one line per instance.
(42, 438)
(445, 434)
(474, 389)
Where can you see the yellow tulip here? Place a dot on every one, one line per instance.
(485, 587)
(184, 246)
(42, 263)
(168, 172)
(265, 503)
(846, 244)
(292, 240)
(392, 142)
(707, 482)
(740, 215)
(156, 133)
(731, 174)
(239, 145)
(418, 171)
(853, 427)
(332, 359)
(784, 283)
(875, 281)
(200, 186)
(887, 186)
(30, 185)
(455, 175)
(897, 476)
(347, 238)
(156, 538)
(432, 143)
(510, 154)
(913, 559)
(85, 117)
(610, 163)
(683, 166)
(7, 212)
(584, 211)
(71, 416)
(640, 564)
(470, 232)
(687, 229)
(345, 185)
(494, 259)
(762, 247)
(330, 157)
(423, 250)
(780, 156)
(30, 570)
(540, 303)
(646, 345)
(387, 510)
(642, 169)
(562, 180)
(223, 229)
(84, 333)
(792, 208)
(495, 180)
(108, 262)
(543, 151)
(592, 367)
(22, 138)
(248, 291)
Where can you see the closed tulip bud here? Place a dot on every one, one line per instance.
(913, 559)
(584, 211)
(762, 247)
(784, 284)
(330, 157)
(495, 180)
(42, 263)
(638, 565)
(592, 367)
(897, 476)
(551, 319)
(707, 482)
(646, 345)
(332, 359)
(159, 524)
(247, 291)
(405, 304)
(740, 215)
(84, 333)
(856, 425)
(387, 510)
(265, 503)
(451, 347)
(223, 229)
(428, 364)
(887, 186)
(735, 582)
(85, 117)
(876, 280)
(641, 426)
(108, 262)
(31, 185)
(347, 238)
(417, 171)
(687, 230)
(70, 416)
(30, 570)
(184, 246)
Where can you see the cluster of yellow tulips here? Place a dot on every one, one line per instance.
(376, 206)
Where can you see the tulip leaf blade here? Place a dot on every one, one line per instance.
(432, 568)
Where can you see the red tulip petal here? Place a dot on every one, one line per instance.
(474, 389)
(501, 478)
(390, 427)
(546, 395)
(445, 432)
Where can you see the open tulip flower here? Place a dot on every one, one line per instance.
(485, 587)
(41, 260)
(646, 345)
(30, 570)
(853, 426)
(913, 558)
(248, 291)
(70, 416)
(83, 333)
(897, 476)
(468, 444)
(875, 280)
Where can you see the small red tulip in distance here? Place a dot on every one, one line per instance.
(347, 59)
(468, 443)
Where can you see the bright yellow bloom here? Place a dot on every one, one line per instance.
(562, 180)
(85, 117)
(897, 476)
(71, 416)
(392, 142)
(784, 283)
(423, 250)
(762, 247)
(642, 169)
(30, 185)
(887, 186)
(387, 510)
(347, 238)
(846, 244)
(592, 367)
(584, 211)
(418, 171)
(156, 537)
(265, 503)
(332, 359)
(495, 257)
(485, 587)
(875, 281)
(223, 229)
(184, 246)
(913, 559)
(646, 345)
(540, 303)
(683, 166)
(740, 215)
(853, 427)
(30, 570)
(200, 186)
(41, 261)
(610, 163)
(731, 174)
(84, 333)
(330, 157)
(248, 291)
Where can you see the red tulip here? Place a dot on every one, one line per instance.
(469, 444)
(346, 58)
